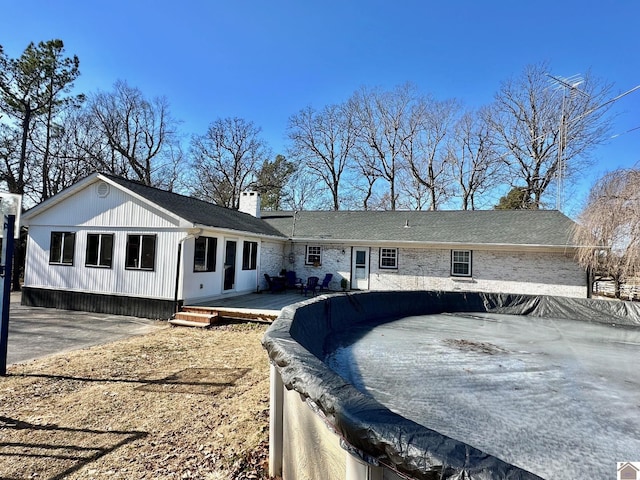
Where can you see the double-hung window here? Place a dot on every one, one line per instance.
(249, 255)
(141, 252)
(313, 255)
(204, 255)
(461, 263)
(99, 250)
(62, 248)
(389, 258)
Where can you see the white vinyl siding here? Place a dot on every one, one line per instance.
(118, 210)
(115, 280)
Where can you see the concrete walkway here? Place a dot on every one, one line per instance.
(36, 332)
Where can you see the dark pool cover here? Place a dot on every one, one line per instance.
(298, 345)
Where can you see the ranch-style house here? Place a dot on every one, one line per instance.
(112, 245)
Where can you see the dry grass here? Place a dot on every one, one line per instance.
(177, 403)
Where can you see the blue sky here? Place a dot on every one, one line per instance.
(264, 61)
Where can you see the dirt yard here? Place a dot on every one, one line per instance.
(178, 403)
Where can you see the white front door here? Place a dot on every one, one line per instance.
(360, 268)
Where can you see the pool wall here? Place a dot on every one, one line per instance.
(322, 427)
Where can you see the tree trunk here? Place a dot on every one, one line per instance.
(26, 121)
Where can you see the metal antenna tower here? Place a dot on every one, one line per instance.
(569, 84)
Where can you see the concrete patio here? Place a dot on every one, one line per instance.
(260, 301)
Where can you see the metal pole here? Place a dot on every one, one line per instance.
(7, 255)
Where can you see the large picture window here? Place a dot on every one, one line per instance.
(249, 255)
(389, 258)
(204, 255)
(141, 252)
(99, 250)
(313, 255)
(461, 263)
(62, 248)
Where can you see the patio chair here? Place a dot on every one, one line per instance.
(310, 286)
(292, 281)
(325, 281)
(275, 284)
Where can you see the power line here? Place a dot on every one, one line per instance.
(624, 133)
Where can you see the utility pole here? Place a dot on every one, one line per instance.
(7, 257)
(571, 84)
(10, 209)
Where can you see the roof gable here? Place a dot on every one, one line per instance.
(198, 211)
(190, 210)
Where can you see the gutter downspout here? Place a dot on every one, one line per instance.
(176, 308)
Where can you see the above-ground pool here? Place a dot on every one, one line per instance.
(454, 385)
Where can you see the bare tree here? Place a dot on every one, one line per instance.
(363, 180)
(381, 121)
(302, 190)
(544, 131)
(67, 161)
(609, 227)
(413, 194)
(425, 147)
(324, 141)
(475, 164)
(226, 160)
(136, 130)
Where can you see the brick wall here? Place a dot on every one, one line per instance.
(271, 261)
(492, 271)
(429, 269)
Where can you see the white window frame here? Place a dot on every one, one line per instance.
(312, 252)
(461, 262)
(386, 255)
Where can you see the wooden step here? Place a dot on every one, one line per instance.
(198, 317)
(198, 309)
(187, 323)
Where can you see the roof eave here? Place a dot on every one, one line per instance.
(447, 245)
(244, 233)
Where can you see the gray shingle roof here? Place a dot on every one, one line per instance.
(494, 227)
(198, 211)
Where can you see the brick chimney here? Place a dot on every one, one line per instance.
(250, 203)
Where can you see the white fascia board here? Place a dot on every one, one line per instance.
(182, 222)
(442, 245)
(239, 233)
